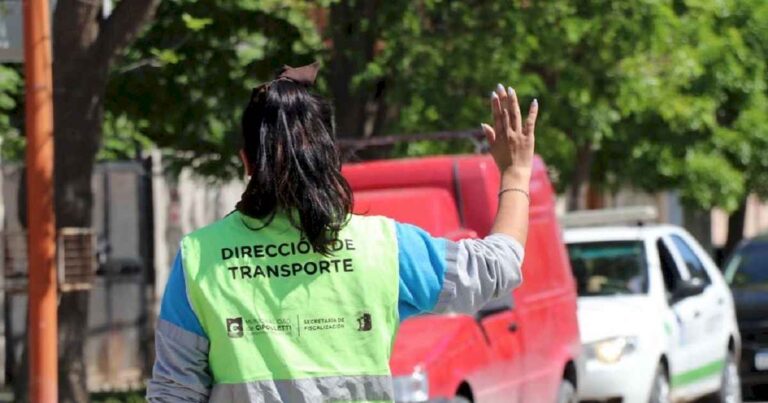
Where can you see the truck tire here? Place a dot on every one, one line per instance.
(660, 387)
(566, 393)
(730, 386)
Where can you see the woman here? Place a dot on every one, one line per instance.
(291, 297)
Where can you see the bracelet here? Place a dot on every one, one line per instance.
(526, 194)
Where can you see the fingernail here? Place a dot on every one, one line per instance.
(535, 102)
(500, 88)
(494, 94)
(510, 90)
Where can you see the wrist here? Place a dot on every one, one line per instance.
(516, 177)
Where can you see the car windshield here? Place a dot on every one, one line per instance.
(609, 268)
(749, 267)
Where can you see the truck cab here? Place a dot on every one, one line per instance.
(522, 347)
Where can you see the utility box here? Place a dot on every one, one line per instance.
(76, 255)
(75, 260)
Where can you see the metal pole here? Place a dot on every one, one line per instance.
(42, 326)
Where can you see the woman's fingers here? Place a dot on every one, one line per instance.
(503, 101)
(530, 121)
(505, 122)
(514, 112)
(490, 135)
(498, 116)
(502, 93)
(507, 119)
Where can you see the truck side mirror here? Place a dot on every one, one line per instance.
(688, 288)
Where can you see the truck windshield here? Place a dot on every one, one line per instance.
(609, 268)
(749, 267)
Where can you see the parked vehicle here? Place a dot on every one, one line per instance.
(656, 315)
(520, 348)
(747, 273)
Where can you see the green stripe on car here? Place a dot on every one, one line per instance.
(697, 374)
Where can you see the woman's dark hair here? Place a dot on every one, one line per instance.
(288, 137)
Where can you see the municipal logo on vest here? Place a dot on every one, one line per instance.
(235, 327)
(364, 322)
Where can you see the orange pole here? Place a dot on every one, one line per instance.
(42, 326)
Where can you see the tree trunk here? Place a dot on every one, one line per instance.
(78, 112)
(577, 192)
(77, 140)
(354, 35)
(735, 228)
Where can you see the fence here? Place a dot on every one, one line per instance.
(119, 336)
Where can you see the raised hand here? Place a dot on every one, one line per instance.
(511, 140)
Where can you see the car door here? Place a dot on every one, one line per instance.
(712, 313)
(500, 381)
(686, 346)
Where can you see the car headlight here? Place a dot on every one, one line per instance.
(411, 388)
(611, 350)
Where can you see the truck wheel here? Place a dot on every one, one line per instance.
(566, 393)
(660, 387)
(730, 388)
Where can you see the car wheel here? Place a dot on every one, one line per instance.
(730, 388)
(566, 393)
(660, 387)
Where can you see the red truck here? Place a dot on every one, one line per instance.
(521, 348)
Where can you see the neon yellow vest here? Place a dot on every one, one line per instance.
(273, 309)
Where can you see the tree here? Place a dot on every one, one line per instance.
(357, 35)
(714, 153)
(738, 74)
(185, 82)
(86, 45)
(608, 76)
(630, 91)
(618, 81)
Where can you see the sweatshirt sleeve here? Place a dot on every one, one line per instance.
(180, 373)
(438, 275)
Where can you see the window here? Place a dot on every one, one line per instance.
(747, 268)
(609, 268)
(695, 267)
(668, 268)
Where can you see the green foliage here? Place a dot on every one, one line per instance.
(658, 94)
(11, 140)
(702, 189)
(184, 83)
(123, 137)
(662, 94)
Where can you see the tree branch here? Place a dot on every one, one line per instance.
(153, 61)
(125, 23)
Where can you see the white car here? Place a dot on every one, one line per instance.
(656, 317)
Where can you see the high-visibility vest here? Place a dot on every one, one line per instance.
(280, 316)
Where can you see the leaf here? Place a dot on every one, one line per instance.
(195, 24)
